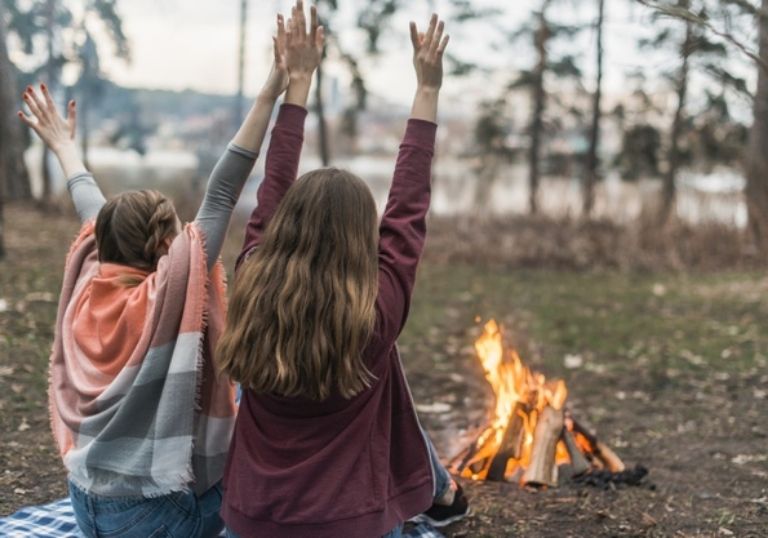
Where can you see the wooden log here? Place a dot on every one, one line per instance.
(465, 458)
(610, 458)
(579, 463)
(542, 471)
(600, 449)
(511, 444)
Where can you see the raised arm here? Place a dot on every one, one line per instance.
(403, 226)
(233, 168)
(303, 55)
(58, 133)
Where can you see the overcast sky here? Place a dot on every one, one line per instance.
(179, 44)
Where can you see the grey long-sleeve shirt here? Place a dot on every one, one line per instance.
(224, 188)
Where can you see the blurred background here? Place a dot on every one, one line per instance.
(600, 189)
(619, 111)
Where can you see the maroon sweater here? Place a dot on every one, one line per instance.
(358, 467)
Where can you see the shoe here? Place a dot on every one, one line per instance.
(441, 516)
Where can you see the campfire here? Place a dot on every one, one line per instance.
(531, 433)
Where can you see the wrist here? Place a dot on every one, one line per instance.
(427, 90)
(300, 77)
(266, 97)
(297, 94)
(67, 147)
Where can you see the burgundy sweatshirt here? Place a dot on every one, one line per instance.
(351, 468)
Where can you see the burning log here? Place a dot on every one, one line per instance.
(530, 431)
(511, 444)
(579, 463)
(600, 449)
(542, 470)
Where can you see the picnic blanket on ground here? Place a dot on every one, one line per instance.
(56, 520)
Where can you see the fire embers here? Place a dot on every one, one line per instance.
(531, 434)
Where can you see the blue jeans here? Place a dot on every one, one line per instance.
(442, 480)
(442, 483)
(178, 515)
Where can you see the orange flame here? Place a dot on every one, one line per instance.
(517, 390)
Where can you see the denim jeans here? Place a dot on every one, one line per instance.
(178, 515)
(442, 480)
(442, 483)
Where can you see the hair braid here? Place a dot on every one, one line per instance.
(134, 229)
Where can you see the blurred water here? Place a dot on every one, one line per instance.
(701, 197)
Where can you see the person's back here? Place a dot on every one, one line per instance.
(327, 442)
(141, 418)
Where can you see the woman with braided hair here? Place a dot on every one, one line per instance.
(141, 417)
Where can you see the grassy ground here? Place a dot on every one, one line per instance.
(673, 376)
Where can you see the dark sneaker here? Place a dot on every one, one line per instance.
(441, 516)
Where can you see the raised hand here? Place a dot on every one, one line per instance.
(304, 52)
(277, 81)
(46, 121)
(428, 52)
(304, 48)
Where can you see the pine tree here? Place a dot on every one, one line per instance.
(542, 31)
(593, 161)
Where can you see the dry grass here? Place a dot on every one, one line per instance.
(543, 242)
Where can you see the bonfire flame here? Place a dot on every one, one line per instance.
(518, 391)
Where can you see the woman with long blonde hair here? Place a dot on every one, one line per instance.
(327, 442)
(141, 418)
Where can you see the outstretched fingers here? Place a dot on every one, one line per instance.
(49, 104)
(29, 121)
(443, 45)
(415, 41)
(280, 40)
(430, 31)
(320, 38)
(34, 104)
(72, 118)
(436, 39)
(313, 24)
(302, 20)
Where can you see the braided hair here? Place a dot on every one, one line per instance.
(135, 229)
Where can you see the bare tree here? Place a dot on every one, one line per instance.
(673, 158)
(541, 36)
(542, 31)
(48, 22)
(719, 19)
(13, 172)
(239, 100)
(14, 181)
(593, 160)
(757, 152)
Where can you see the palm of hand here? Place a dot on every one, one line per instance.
(428, 49)
(46, 120)
(302, 59)
(429, 68)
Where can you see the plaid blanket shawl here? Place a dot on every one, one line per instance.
(137, 408)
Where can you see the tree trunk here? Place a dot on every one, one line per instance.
(540, 38)
(14, 179)
(669, 188)
(239, 105)
(85, 128)
(593, 161)
(2, 221)
(757, 156)
(322, 125)
(51, 79)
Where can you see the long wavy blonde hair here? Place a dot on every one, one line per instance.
(303, 304)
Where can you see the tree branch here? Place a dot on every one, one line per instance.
(684, 14)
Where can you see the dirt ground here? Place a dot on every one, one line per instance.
(670, 369)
